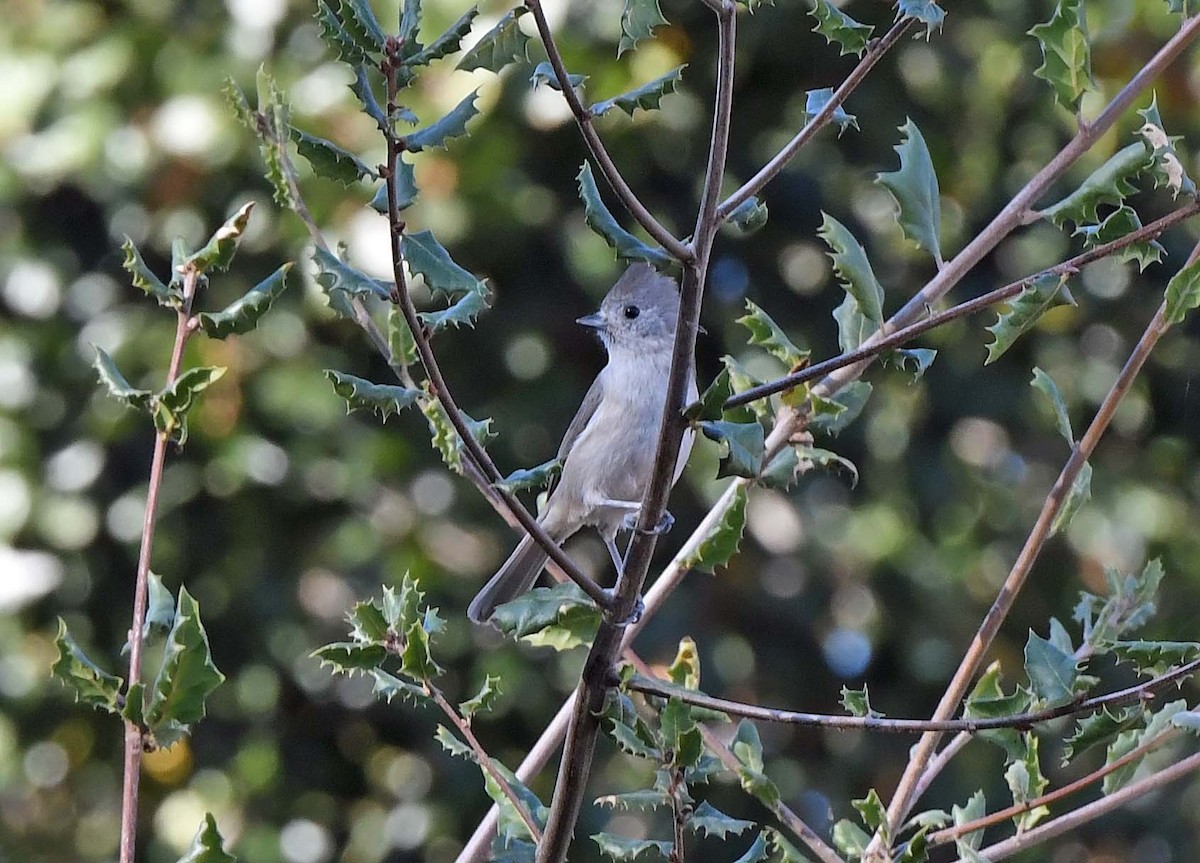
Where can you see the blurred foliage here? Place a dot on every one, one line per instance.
(283, 512)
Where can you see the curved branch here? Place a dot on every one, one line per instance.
(1133, 694)
(591, 137)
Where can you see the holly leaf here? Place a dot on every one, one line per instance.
(242, 315)
(88, 682)
(426, 256)
(1046, 385)
(462, 312)
(1079, 494)
(840, 29)
(832, 415)
(1168, 169)
(1027, 782)
(1039, 295)
(336, 276)
(208, 846)
(1051, 670)
(1066, 53)
(647, 97)
(331, 161)
(644, 800)
(445, 437)
(815, 102)
(381, 399)
(748, 217)
(974, 809)
(711, 403)
(853, 269)
(621, 848)
(453, 125)
(143, 277)
(915, 188)
(1096, 729)
(416, 661)
(747, 748)
(707, 820)
(525, 479)
(402, 347)
(543, 73)
(160, 610)
(1122, 221)
(638, 20)
(484, 700)
(1183, 293)
(858, 702)
(505, 43)
(757, 852)
(721, 542)
(218, 252)
(447, 43)
(926, 12)
(743, 444)
(599, 219)
(186, 677)
(115, 382)
(1127, 741)
(172, 405)
(1156, 658)
(1110, 184)
(560, 617)
(765, 333)
(338, 37)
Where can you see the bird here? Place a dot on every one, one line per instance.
(607, 453)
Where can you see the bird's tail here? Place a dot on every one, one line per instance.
(515, 577)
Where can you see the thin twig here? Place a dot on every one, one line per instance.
(434, 373)
(579, 749)
(1133, 694)
(583, 118)
(1070, 820)
(949, 834)
(484, 760)
(820, 120)
(978, 304)
(134, 739)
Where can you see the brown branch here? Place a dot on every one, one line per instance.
(134, 737)
(484, 760)
(978, 304)
(1133, 694)
(584, 119)
(579, 750)
(949, 834)
(769, 171)
(1072, 819)
(433, 371)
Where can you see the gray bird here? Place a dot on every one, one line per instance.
(608, 450)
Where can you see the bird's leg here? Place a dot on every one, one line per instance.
(629, 522)
(610, 542)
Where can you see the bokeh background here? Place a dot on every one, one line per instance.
(282, 510)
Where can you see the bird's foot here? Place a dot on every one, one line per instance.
(629, 522)
(634, 616)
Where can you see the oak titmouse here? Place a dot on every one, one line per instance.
(608, 450)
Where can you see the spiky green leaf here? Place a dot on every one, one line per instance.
(1156, 658)
(743, 446)
(461, 313)
(242, 315)
(381, 399)
(707, 820)
(543, 73)
(840, 29)
(815, 102)
(1046, 385)
(710, 404)
(453, 125)
(721, 543)
(853, 269)
(1156, 725)
(1168, 169)
(621, 848)
(426, 256)
(335, 275)
(401, 345)
(1096, 729)
(337, 36)
(850, 839)
(525, 479)
(1051, 671)
(1079, 494)
(647, 799)
(926, 12)
(447, 43)
(1120, 222)
(172, 405)
(848, 404)
(1066, 53)
(1183, 293)
(747, 748)
(647, 97)
(748, 217)
(143, 277)
(915, 188)
(1111, 183)
(331, 161)
(208, 846)
(858, 702)
(484, 700)
(599, 219)
(218, 252)
(1027, 782)
(974, 809)
(186, 677)
(765, 333)
(505, 43)
(1039, 295)
(638, 20)
(445, 437)
(117, 386)
(88, 682)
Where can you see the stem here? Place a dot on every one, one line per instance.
(133, 733)
(943, 837)
(485, 760)
(579, 749)
(1134, 694)
(1071, 820)
(769, 171)
(583, 118)
(434, 373)
(978, 304)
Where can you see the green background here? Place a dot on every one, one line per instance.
(282, 511)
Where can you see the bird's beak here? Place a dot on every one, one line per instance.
(593, 321)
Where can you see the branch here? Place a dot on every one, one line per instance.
(485, 760)
(583, 117)
(438, 383)
(579, 750)
(980, 303)
(769, 171)
(943, 837)
(1091, 811)
(1141, 692)
(134, 739)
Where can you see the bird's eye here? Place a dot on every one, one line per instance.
(632, 312)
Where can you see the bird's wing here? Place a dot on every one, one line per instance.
(583, 416)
